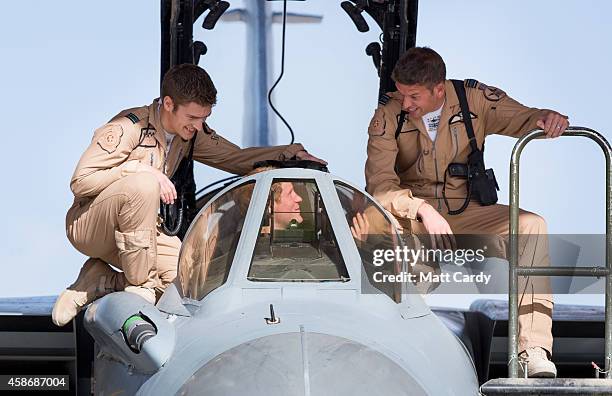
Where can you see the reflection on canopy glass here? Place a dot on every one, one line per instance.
(209, 248)
(379, 234)
(296, 242)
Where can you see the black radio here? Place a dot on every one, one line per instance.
(481, 182)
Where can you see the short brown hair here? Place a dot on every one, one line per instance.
(419, 65)
(189, 83)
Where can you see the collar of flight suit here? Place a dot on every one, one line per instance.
(178, 146)
(155, 120)
(450, 107)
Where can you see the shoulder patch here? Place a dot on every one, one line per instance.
(493, 94)
(133, 117)
(383, 99)
(109, 141)
(471, 83)
(377, 124)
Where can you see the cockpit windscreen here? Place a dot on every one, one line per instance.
(296, 242)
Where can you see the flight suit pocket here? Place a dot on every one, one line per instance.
(133, 240)
(409, 149)
(137, 253)
(461, 142)
(408, 129)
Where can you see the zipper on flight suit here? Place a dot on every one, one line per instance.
(456, 141)
(178, 157)
(454, 132)
(166, 155)
(456, 144)
(433, 152)
(176, 163)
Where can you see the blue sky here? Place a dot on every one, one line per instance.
(69, 66)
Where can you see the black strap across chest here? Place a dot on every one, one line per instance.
(465, 112)
(400, 123)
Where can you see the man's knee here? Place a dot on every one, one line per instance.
(167, 258)
(142, 185)
(167, 276)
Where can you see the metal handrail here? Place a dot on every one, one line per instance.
(515, 271)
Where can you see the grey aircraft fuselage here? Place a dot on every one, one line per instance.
(332, 337)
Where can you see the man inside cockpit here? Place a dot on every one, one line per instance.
(287, 210)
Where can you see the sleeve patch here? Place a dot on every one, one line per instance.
(377, 125)
(493, 94)
(109, 141)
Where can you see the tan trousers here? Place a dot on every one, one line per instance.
(535, 301)
(119, 227)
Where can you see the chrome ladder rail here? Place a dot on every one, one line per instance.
(515, 271)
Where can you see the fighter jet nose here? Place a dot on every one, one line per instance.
(252, 285)
(301, 363)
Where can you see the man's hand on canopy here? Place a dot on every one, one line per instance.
(305, 155)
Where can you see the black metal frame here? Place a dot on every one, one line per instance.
(397, 20)
(177, 47)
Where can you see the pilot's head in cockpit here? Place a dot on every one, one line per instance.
(286, 210)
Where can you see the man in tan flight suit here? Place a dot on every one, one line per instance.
(407, 175)
(123, 174)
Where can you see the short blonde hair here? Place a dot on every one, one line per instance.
(276, 188)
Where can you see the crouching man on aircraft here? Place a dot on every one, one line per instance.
(417, 132)
(121, 177)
